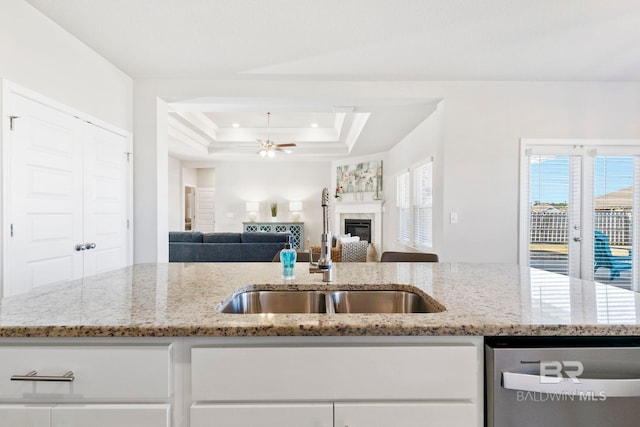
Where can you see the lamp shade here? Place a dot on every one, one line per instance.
(295, 206)
(252, 206)
(252, 209)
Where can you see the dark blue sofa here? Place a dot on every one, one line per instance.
(194, 246)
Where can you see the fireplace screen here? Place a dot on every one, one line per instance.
(358, 227)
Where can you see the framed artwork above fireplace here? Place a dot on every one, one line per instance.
(359, 181)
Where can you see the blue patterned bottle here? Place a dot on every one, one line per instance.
(288, 260)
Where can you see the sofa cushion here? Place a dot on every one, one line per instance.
(265, 237)
(221, 238)
(185, 236)
(223, 252)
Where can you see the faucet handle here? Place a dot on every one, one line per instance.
(311, 257)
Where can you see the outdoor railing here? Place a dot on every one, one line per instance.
(552, 227)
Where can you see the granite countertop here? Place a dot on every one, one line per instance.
(180, 300)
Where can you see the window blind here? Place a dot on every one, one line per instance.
(423, 205)
(403, 207)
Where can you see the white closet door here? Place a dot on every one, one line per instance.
(105, 204)
(45, 197)
(205, 209)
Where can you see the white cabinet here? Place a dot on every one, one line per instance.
(66, 185)
(262, 415)
(338, 414)
(99, 372)
(25, 415)
(365, 385)
(58, 385)
(449, 414)
(94, 415)
(121, 415)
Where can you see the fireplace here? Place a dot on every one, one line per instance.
(358, 227)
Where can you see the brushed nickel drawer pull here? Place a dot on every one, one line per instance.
(33, 376)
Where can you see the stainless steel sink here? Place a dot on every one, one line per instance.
(378, 302)
(255, 302)
(337, 301)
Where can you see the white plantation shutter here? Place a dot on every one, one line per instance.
(403, 203)
(423, 205)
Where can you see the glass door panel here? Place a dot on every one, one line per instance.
(613, 219)
(550, 190)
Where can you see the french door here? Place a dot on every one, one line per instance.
(578, 204)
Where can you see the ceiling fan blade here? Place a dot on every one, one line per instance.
(290, 144)
(284, 151)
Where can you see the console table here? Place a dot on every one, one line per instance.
(295, 228)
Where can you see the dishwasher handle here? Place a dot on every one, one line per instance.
(626, 387)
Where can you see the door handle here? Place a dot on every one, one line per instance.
(80, 247)
(90, 245)
(618, 387)
(577, 239)
(33, 376)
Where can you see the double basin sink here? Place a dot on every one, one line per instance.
(330, 302)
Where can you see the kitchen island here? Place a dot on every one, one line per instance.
(180, 300)
(146, 346)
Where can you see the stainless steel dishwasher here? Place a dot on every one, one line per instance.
(558, 381)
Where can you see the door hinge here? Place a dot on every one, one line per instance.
(128, 153)
(11, 120)
(127, 224)
(11, 230)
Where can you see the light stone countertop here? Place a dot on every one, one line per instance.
(180, 300)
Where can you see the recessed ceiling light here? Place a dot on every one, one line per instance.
(235, 124)
(314, 125)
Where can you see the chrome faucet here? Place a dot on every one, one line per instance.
(324, 262)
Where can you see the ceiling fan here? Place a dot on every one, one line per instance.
(268, 148)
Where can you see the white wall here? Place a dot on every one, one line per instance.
(425, 141)
(190, 177)
(176, 195)
(206, 177)
(39, 55)
(482, 124)
(264, 181)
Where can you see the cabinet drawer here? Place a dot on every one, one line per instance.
(335, 373)
(124, 415)
(407, 414)
(263, 415)
(100, 372)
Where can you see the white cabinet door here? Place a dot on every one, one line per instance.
(363, 373)
(118, 373)
(262, 415)
(45, 197)
(25, 415)
(406, 414)
(105, 203)
(122, 415)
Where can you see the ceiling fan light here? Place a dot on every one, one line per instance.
(271, 154)
(263, 153)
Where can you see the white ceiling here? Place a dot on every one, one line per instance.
(524, 40)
